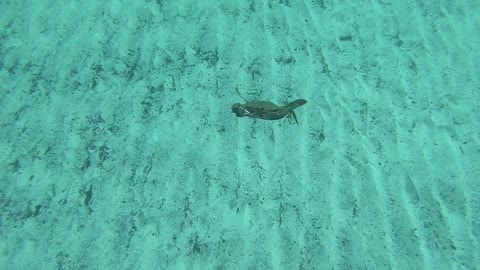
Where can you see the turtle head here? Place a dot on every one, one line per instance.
(239, 110)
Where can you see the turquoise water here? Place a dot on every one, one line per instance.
(119, 148)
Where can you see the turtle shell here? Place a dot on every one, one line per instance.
(260, 109)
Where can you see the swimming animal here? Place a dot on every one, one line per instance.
(265, 109)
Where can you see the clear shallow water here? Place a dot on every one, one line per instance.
(118, 148)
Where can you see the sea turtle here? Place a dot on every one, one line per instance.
(265, 109)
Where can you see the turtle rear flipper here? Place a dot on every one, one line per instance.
(293, 105)
(294, 116)
(297, 103)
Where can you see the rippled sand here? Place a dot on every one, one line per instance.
(119, 150)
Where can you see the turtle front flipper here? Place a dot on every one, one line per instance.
(238, 92)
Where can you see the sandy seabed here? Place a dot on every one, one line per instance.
(119, 150)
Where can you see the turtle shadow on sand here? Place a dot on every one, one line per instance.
(265, 109)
